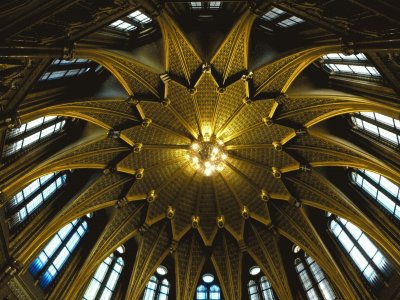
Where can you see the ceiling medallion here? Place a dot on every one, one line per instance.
(207, 155)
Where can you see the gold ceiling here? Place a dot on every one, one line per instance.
(274, 151)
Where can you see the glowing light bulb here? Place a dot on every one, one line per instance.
(207, 155)
(195, 146)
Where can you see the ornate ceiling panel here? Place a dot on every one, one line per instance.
(192, 117)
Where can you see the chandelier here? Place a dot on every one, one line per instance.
(207, 155)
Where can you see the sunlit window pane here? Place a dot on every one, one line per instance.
(363, 252)
(355, 64)
(25, 202)
(290, 22)
(80, 68)
(378, 188)
(30, 133)
(378, 125)
(140, 17)
(273, 14)
(306, 268)
(50, 261)
(105, 279)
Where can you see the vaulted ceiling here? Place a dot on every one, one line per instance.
(278, 148)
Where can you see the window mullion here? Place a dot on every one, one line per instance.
(67, 67)
(364, 63)
(13, 210)
(132, 22)
(312, 278)
(106, 277)
(377, 123)
(28, 133)
(379, 188)
(361, 249)
(59, 249)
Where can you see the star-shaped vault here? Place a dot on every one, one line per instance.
(274, 152)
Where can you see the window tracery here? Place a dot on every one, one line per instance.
(380, 189)
(355, 64)
(259, 287)
(312, 278)
(28, 200)
(49, 263)
(377, 125)
(281, 18)
(369, 260)
(31, 133)
(105, 279)
(61, 68)
(131, 22)
(158, 286)
(208, 289)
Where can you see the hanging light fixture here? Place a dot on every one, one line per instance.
(207, 155)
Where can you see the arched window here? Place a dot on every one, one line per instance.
(378, 125)
(51, 260)
(158, 286)
(355, 64)
(106, 277)
(201, 292)
(370, 261)
(164, 290)
(215, 292)
(266, 289)
(208, 289)
(30, 133)
(151, 289)
(254, 294)
(61, 68)
(41, 190)
(382, 190)
(312, 278)
(258, 287)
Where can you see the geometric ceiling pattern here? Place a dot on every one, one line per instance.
(274, 150)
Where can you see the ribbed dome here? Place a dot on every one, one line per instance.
(275, 148)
